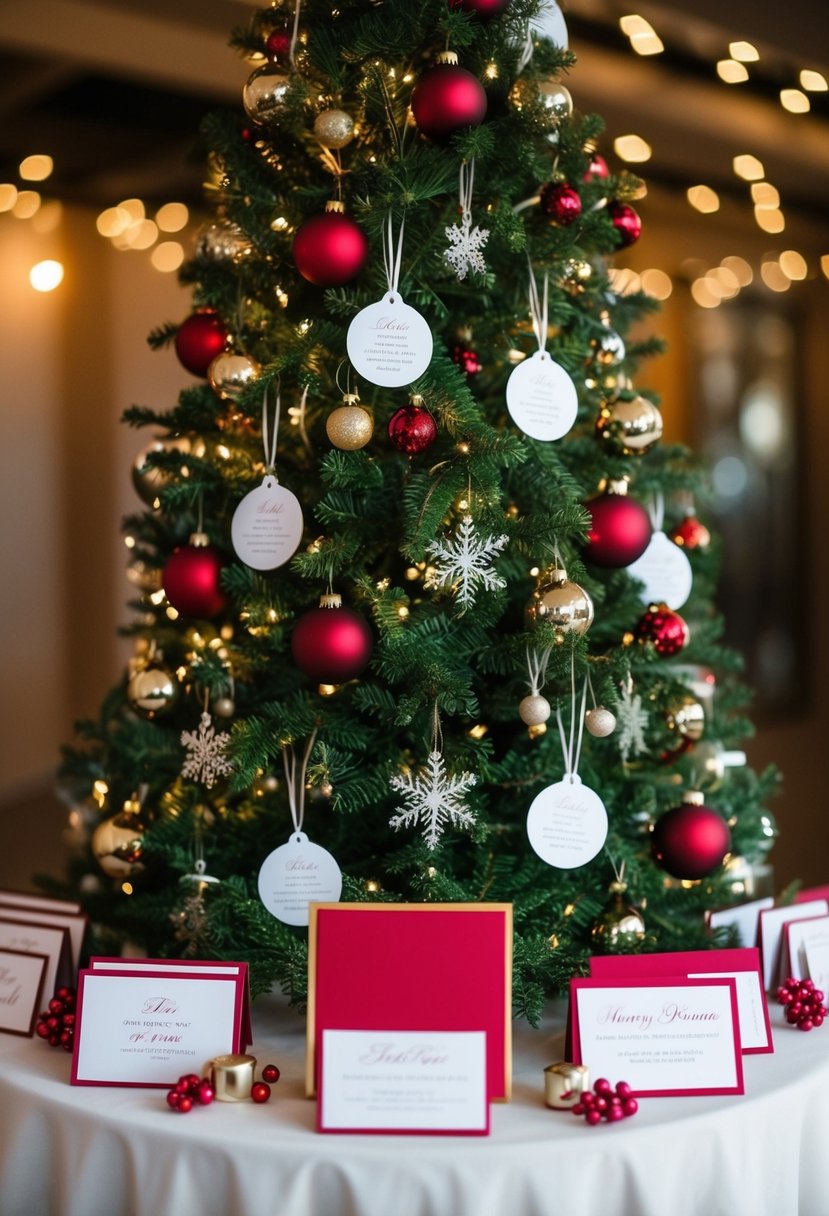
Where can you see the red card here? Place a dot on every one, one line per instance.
(410, 967)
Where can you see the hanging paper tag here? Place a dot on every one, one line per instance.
(541, 397)
(389, 343)
(567, 824)
(295, 875)
(267, 526)
(665, 571)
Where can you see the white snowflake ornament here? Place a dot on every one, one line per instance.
(464, 562)
(433, 798)
(206, 760)
(465, 245)
(632, 720)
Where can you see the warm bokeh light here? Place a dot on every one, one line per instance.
(769, 220)
(647, 43)
(8, 196)
(36, 168)
(632, 148)
(702, 294)
(727, 283)
(134, 208)
(748, 167)
(731, 71)
(824, 264)
(113, 221)
(48, 217)
(745, 52)
(172, 217)
(773, 277)
(656, 283)
(795, 101)
(764, 194)
(167, 256)
(815, 82)
(793, 265)
(740, 268)
(46, 275)
(141, 235)
(632, 24)
(26, 204)
(623, 280)
(704, 199)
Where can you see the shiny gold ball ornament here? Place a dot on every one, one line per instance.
(349, 426)
(334, 128)
(534, 709)
(619, 924)
(264, 94)
(630, 427)
(600, 722)
(224, 707)
(152, 689)
(222, 242)
(117, 843)
(687, 718)
(556, 99)
(562, 603)
(230, 374)
(147, 478)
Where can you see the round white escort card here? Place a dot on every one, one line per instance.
(389, 343)
(567, 824)
(541, 397)
(665, 571)
(267, 526)
(295, 875)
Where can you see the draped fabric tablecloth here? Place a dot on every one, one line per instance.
(78, 1151)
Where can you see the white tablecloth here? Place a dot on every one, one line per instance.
(76, 1151)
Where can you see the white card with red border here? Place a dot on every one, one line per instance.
(150, 1025)
(802, 940)
(744, 919)
(35, 910)
(21, 988)
(31, 937)
(770, 935)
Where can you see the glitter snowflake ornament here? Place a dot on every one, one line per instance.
(206, 760)
(433, 798)
(465, 245)
(464, 562)
(632, 720)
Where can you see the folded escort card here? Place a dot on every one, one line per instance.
(742, 964)
(21, 989)
(771, 930)
(31, 937)
(34, 910)
(661, 1035)
(148, 1021)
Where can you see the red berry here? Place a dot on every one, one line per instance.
(69, 1020)
(805, 1024)
(184, 1104)
(53, 1023)
(623, 1089)
(817, 994)
(817, 1020)
(593, 1117)
(614, 1114)
(193, 1082)
(260, 1092)
(69, 1045)
(601, 1104)
(55, 1005)
(603, 1086)
(54, 1040)
(588, 1097)
(630, 1106)
(43, 1030)
(205, 1093)
(578, 1109)
(173, 1098)
(270, 1073)
(182, 1085)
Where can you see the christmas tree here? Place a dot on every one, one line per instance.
(412, 558)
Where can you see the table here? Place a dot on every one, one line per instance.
(72, 1151)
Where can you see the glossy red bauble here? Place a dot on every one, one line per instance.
(664, 628)
(199, 339)
(481, 8)
(271, 1074)
(331, 644)
(597, 169)
(626, 221)
(691, 533)
(446, 99)
(620, 530)
(690, 840)
(330, 249)
(560, 203)
(260, 1091)
(412, 429)
(277, 45)
(466, 359)
(191, 580)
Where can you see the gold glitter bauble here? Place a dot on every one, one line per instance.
(631, 427)
(334, 128)
(534, 709)
(229, 374)
(600, 722)
(349, 427)
(566, 605)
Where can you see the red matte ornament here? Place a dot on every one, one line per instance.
(330, 249)
(691, 840)
(626, 221)
(412, 429)
(620, 529)
(597, 168)
(277, 45)
(331, 644)
(560, 203)
(191, 578)
(199, 339)
(664, 628)
(448, 98)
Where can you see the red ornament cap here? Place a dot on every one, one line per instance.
(560, 203)
(664, 628)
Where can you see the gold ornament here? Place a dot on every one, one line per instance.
(152, 689)
(117, 843)
(564, 1084)
(609, 348)
(534, 709)
(631, 427)
(334, 128)
(147, 478)
(264, 94)
(349, 426)
(620, 924)
(600, 722)
(222, 242)
(555, 99)
(565, 605)
(687, 718)
(232, 1077)
(229, 375)
(224, 707)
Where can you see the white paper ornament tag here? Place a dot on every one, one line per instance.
(295, 875)
(267, 526)
(665, 571)
(389, 343)
(541, 397)
(567, 824)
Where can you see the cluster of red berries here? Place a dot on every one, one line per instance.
(192, 1090)
(804, 1003)
(57, 1023)
(603, 1102)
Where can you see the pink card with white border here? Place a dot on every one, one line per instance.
(741, 963)
(150, 1026)
(664, 1036)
